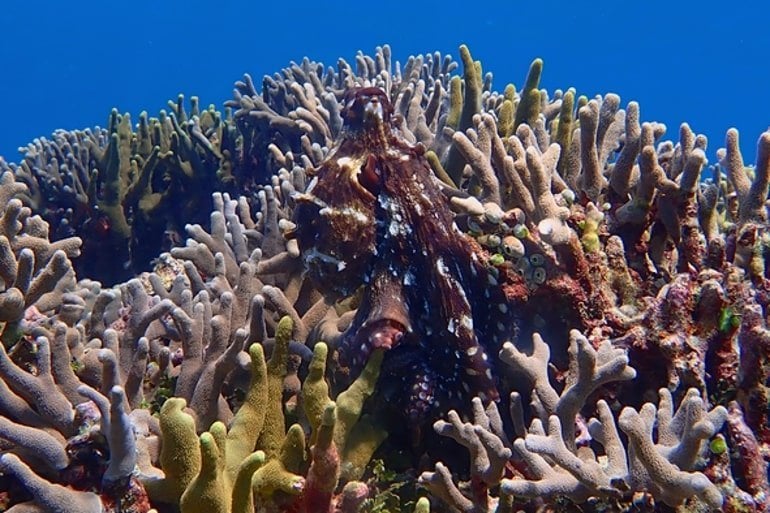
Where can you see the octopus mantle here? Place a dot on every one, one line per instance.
(374, 220)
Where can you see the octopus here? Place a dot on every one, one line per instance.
(374, 221)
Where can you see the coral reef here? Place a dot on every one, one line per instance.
(395, 255)
(120, 188)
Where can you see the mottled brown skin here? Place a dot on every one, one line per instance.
(374, 217)
(335, 219)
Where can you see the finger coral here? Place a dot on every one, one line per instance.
(116, 188)
(556, 467)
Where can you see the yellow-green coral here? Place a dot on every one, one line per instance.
(455, 102)
(208, 491)
(529, 104)
(247, 424)
(315, 389)
(357, 437)
(219, 472)
(461, 113)
(473, 82)
(280, 474)
(351, 401)
(180, 455)
(590, 228)
(507, 114)
(422, 506)
(116, 163)
(565, 127)
(242, 498)
(360, 445)
(273, 430)
(212, 489)
(438, 169)
(505, 119)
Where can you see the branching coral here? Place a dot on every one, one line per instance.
(556, 467)
(218, 470)
(35, 272)
(118, 188)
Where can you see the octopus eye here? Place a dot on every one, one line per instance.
(374, 107)
(369, 176)
(366, 105)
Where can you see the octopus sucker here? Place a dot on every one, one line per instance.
(426, 294)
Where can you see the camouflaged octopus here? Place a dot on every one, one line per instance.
(374, 220)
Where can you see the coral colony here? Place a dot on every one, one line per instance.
(413, 293)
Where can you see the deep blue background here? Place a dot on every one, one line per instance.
(66, 64)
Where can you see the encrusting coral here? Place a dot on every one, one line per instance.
(395, 255)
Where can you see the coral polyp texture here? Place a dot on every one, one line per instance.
(412, 293)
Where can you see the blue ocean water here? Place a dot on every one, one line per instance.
(66, 64)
